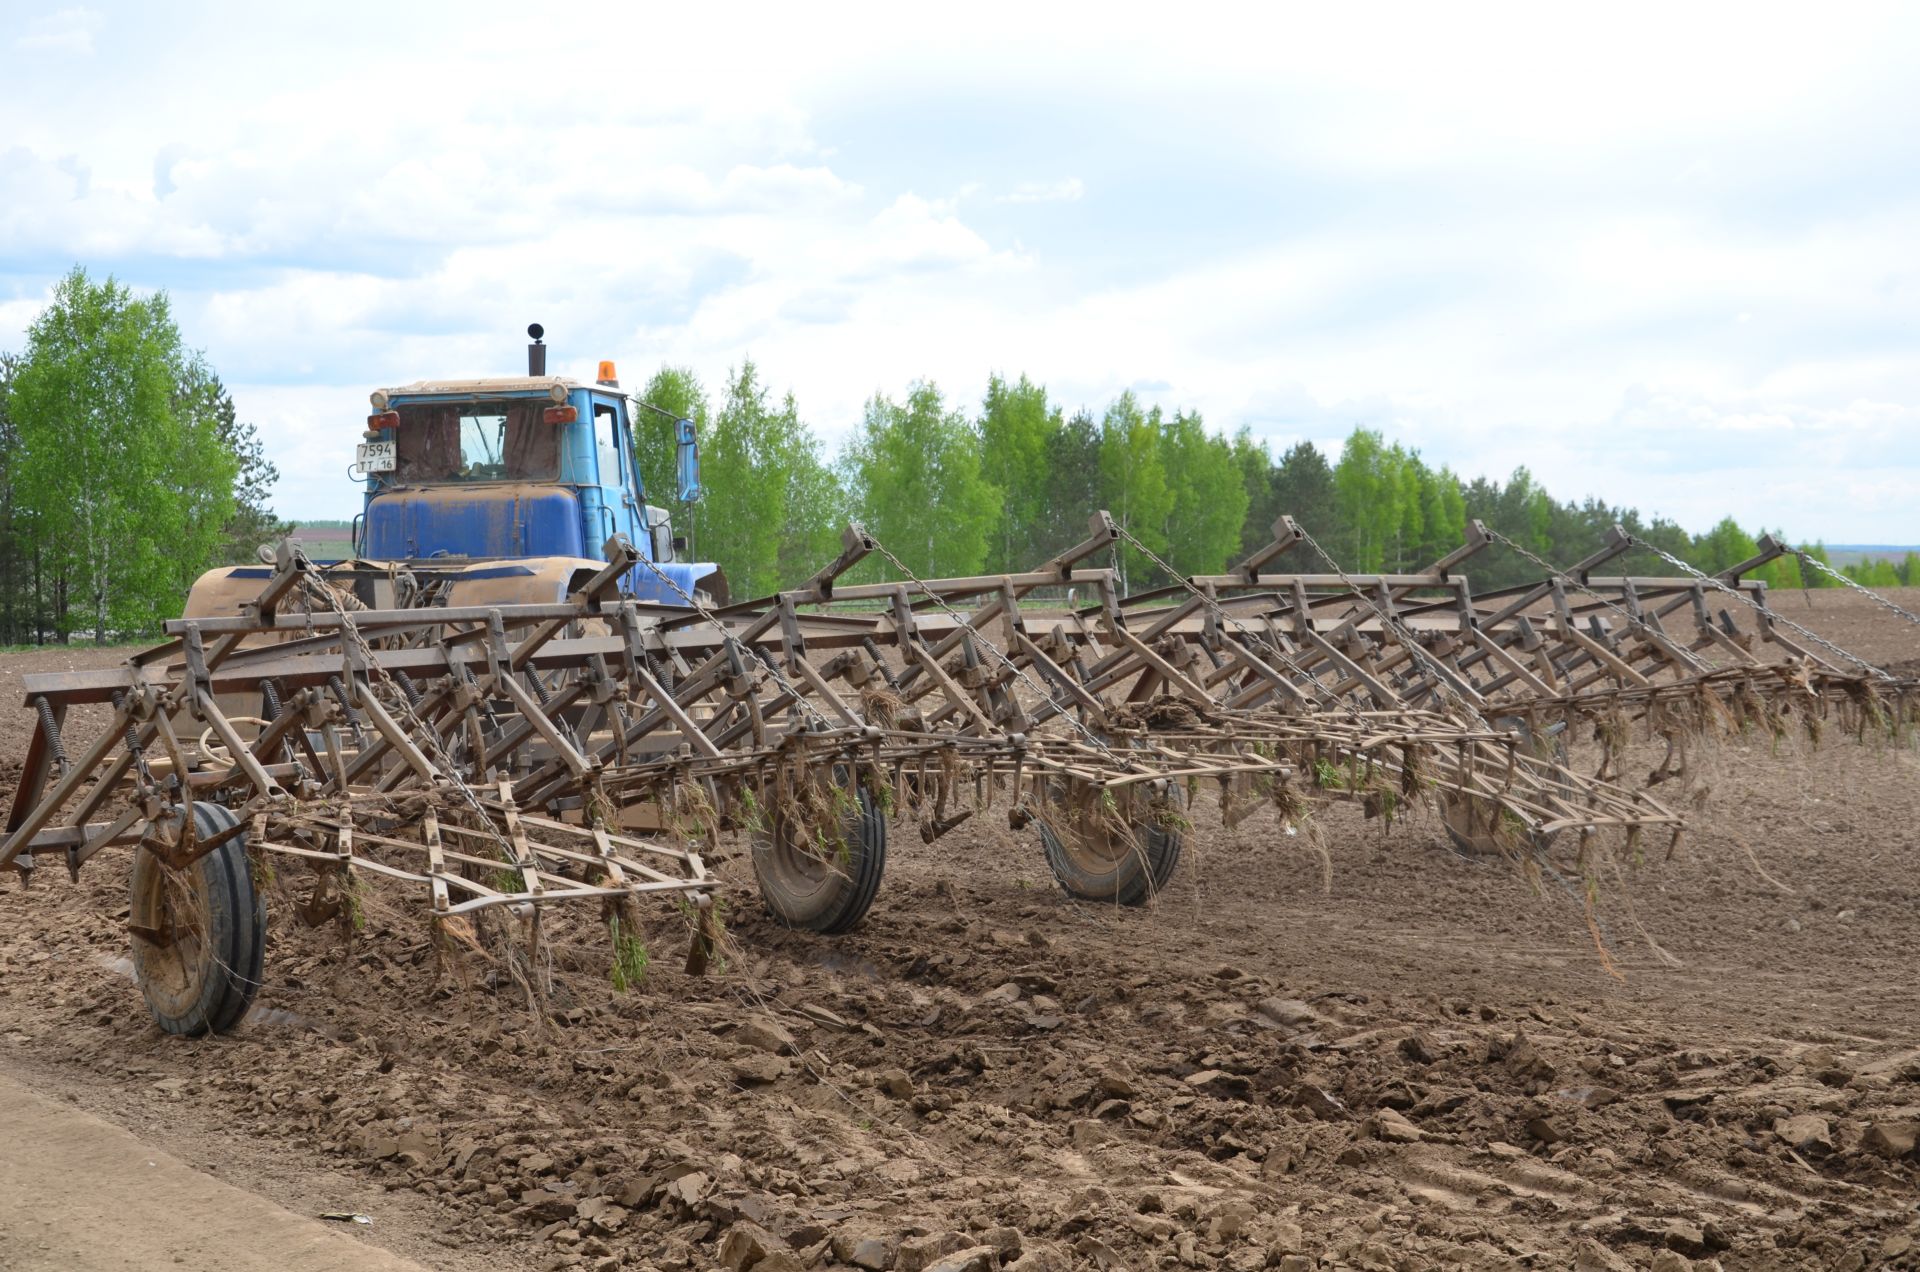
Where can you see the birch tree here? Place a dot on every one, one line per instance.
(121, 467)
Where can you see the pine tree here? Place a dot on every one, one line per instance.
(253, 522)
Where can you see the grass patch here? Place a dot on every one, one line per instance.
(630, 958)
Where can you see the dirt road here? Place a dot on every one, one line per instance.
(1352, 1048)
(83, 1195)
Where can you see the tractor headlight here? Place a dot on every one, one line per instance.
(558, 392)
(379, 399)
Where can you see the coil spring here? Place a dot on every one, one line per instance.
(50, 726)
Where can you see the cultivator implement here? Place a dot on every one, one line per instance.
(1548, 659)
(508, 758)
(1572, 647)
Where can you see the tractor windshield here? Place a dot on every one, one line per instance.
(500, 440)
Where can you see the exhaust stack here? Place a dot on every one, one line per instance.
(536, 352)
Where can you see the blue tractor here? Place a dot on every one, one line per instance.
(522, 479)
(502, 491)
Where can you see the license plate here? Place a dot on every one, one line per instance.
(376, 457)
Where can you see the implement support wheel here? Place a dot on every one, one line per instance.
(199, 933)
(824, 888)
(1094, 861)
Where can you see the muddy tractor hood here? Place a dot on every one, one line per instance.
(505, 519)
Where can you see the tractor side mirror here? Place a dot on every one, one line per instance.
(687, 461)
(660, 534)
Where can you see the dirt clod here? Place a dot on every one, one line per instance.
(863, 1248)
(766, 1034)
(973, 1259)
(1892, 1139)
(919, 1254)
(1395, 1128)
(760, 1069)
(1806, 1132)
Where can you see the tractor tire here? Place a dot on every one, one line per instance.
(802, 889)
(1102, 867)
(202, 975)
(1472, 824)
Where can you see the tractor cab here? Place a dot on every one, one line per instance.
(521, 475)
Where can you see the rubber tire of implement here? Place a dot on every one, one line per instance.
(213, 994)
(829, 897)
(1127, 879)
(1459, 817)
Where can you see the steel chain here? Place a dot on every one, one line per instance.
(1808, 559)
(747, 656)
(1260, 641)
(1756, 607)
(425, 732)
(1404, 637)
(995, 650)
(1699, 664)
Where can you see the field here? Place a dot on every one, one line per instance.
(324, 542)
(1388, 1056)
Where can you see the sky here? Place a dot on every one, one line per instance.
(1665, 255)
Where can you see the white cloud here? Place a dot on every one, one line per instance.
(1067, 190)
(1677, 273)
(63, 31)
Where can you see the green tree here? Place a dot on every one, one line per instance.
(1444, 512)
(1409, 477)
(770, 508)
(1786, 573)
(1304, 489)
(1072, 488)
(1524, 512)
(1208, 505)
(1254, 462)
(1662, 533)
(121, 468)
(253, 522)
(1877, 573)
(1722, 547)
(914, 474)
(816, 504)
(1811, 577)
(673, 394)
(1016, 424)
(1369, 493)
(20, 613)
(1133, 480)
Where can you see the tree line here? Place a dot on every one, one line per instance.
(124, 469)
(955, 489)
(1881, 572)
(125, 472)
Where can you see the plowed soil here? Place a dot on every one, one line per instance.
(1352, 1048)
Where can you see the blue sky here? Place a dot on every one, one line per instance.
(1666, 255)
